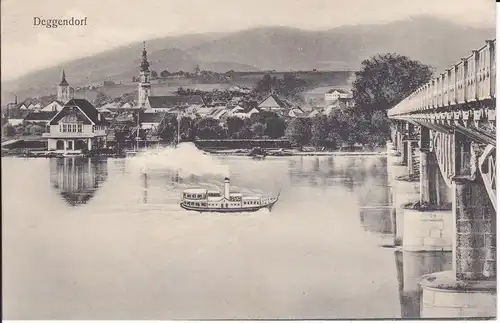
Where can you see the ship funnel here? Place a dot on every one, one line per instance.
(226, 188)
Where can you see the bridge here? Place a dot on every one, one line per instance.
(442, 173)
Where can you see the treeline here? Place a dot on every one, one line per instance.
(341, 128)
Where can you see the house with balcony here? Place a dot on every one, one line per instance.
(77, 126)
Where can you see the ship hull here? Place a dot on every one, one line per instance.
(228, 210)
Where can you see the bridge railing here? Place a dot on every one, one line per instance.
(471, 79)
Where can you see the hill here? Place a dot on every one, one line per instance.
(429, 40)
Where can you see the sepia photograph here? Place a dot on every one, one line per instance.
(248, 160)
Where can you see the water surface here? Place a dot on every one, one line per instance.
(106, 239)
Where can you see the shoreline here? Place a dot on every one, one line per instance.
(218, 153)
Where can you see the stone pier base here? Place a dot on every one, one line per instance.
(403, 192)
(427, 230)
(443, 296)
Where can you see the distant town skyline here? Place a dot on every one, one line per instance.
(113, 23)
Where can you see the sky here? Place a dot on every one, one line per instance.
(112, 23)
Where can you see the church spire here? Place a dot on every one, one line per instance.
(144, 63)
(63, 80)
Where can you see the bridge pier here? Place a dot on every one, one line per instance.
(456, 113)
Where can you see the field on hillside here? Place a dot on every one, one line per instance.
(317, 79)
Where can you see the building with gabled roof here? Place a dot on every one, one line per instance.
(272, 103)
(296, 113)
(16, 116)
(334, 94)
(77, 126)
(151, 120)
(40, 116)
(55, 105)
(166, 102)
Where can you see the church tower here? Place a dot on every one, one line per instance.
(64, 91)
(144, 80)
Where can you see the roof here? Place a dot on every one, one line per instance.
(16, 114)
(344, 91)
(272, 101)
(86, 107)
(63, 80)
(55, 101)
(154, 117)
(248, 109)
(41, 115)
(195, 190)
(172, 101)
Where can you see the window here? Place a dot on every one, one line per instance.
(74, 127)
(60, 128)
(80, 127)
(65, 128)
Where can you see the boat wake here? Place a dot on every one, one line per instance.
(186, 159)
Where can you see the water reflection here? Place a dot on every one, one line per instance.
(365, 177)
(410, 267)
(77, 179)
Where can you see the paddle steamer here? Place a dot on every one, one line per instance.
(204, 200)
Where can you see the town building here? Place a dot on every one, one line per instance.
(144, 86)
(15, 116)
(40, 117)
(186, 105)
(151, 120)
(334, 94)
(55, 105)
(166, 103)
(272, 103)
(296, 113)
(64, 91)
(78, 125)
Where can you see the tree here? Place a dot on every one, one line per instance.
(197, 69)
(154, 74)
(319, 130)
(208, 128)
(8, 130)
(384, 80)
(299, 131)
(275, 126)
(258, 129)
(165, 73)
(37, 130)
(234, 125)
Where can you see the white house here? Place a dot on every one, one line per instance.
(55, 105)
(78, 125)
(335, 94)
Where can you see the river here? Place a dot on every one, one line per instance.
(106, 239)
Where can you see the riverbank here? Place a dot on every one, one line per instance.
(304, 153)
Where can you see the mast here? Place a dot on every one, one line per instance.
(137, 132)
(179, 118)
